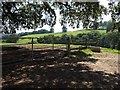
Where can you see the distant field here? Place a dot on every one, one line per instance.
(25, 41)
(61, 33)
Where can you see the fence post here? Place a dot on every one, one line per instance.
(53, 43)
(86, 43)
(68, 45)
(32, 48)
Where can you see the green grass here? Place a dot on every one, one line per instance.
(36, 45)
(24, 41)
(87, 51)
(74, 33)
(81, 53)
(61, 33)
(6, 44)
(111, 50)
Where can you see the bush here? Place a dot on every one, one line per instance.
(93, 38)
(118, 45)
(12, 38)
(57, 40)
(46, 39)
(94, 35)
(63, 39)
(110, 40)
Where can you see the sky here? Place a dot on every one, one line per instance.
(58, 27)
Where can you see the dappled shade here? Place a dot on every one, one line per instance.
(53, 69)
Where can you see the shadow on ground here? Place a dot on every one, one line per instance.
(52, 69)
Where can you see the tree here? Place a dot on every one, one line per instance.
(74, 12)
(114, 9)
(94, 25)
(41, 31)
(9, 16)
(64, 28)
(85, 38)
(51, 30)
(26, 15)
(103, 25)
(30, 15)
(110, 26)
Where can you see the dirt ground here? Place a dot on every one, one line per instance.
(53, 69)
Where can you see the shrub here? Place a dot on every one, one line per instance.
(94, 35)
(118, 45)
(12, 38)
(94, 38)
(46, 39)
(63, 39)
(110, 40)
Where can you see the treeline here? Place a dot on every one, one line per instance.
(42, 31)
(94, 38)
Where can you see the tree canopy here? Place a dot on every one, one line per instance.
(114, 9)
(17, 15)
(26, 15)
(74, 12)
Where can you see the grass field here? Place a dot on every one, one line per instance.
(25, 41)
(110, 50)
(61, 33)
(74, 33)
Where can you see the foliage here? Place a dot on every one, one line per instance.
(103, 25)
(46, 39)
(82, 38)
(17, 15)
(114, 9)
(26, 15)
(51, 30)
(12, 38)
(110, 40)
(94, 38)
(42, 31)
(74, 33)
(53, 39)
(110, 26)
(74, 12)
(64, 28)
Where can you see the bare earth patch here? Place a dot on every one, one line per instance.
(53, 69)
(107, 62)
